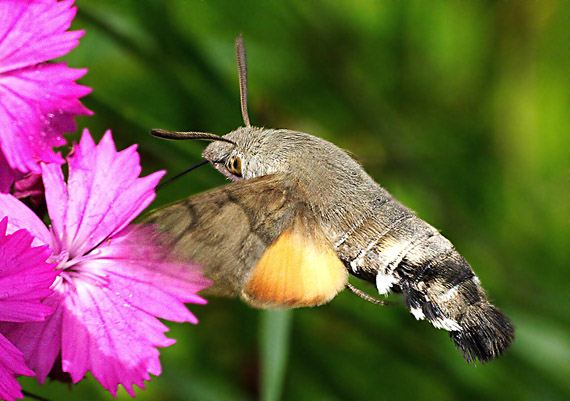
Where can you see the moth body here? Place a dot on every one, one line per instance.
(301, 215)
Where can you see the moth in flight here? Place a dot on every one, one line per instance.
(301, 215)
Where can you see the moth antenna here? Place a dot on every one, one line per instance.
(175, 135)
(367, 297)
(242, 73)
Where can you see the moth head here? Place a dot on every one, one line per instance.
(227, 157)
(234, 155)
(250, 152)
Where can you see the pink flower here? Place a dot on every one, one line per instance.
(115, 279)
(37, 100)
(25, 278)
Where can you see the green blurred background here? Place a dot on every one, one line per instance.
(459, 108)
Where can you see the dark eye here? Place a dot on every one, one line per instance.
(233, 165)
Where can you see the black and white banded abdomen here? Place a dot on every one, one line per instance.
(396, 250)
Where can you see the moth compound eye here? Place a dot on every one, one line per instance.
(233, 165)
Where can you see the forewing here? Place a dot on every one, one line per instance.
(256, 239)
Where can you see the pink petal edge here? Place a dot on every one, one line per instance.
(39, 103)
(97, 204)
(11, 364)
(21, 217)
(35, 31)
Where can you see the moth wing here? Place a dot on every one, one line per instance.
(256, 239)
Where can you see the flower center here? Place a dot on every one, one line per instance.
(77, 270)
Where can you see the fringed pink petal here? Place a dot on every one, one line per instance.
(25, 277)
(139, 247)
(105, 193)
(38, 105)
(119, 291)
(11, 365)
(116, 342)
(35, 31)
(21, 217)
(40, 342)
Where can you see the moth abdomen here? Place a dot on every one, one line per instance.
(445, 291)
(394, 249)
(486, 333)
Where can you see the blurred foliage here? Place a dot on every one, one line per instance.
(459, 108)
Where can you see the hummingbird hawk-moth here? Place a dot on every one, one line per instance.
(301, 215)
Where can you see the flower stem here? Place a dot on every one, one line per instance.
(274, 349)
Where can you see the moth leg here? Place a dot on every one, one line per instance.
(367, 297)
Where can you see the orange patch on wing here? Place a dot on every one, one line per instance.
(299, 269)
